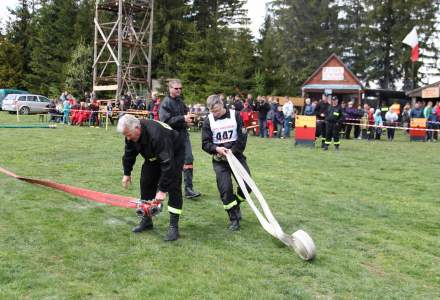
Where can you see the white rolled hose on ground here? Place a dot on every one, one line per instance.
(299, 241)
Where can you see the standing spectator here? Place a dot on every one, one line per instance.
(238, 104)
(174, 112)
(246, 115)
(436, 119)
(94, 113)
(391, 119)
(416, 111)
(66, 111)
(270, 119)
(262, 107)
(308, 108)
(427, 110)
(364, 121)
(155, 109)
(406, 119)
(351, 116)
(279, 121)
(109, 109)
(378, 123)
(63, 96)
(250, 100)
(321, 113)
(140, 104)
(87, 97)
(288, 114)
(371, 128)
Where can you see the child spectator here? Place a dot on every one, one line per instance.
(378, 122)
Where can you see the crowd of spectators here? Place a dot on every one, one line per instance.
(274, 120)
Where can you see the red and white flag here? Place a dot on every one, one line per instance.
(412, 40)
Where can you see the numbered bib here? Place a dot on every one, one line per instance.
(223, 130)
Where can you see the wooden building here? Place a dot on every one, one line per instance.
(333, 78)
(426, 93)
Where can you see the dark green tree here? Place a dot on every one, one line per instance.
(79, 70)
(389, 22)
(170, 32)
(307, 33)
(19, 33)
(10, 65)
(52, 45)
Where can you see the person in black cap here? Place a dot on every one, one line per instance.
(333, 120)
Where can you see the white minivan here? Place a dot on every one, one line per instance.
(26, 103)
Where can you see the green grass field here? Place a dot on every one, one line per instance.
(372, 209)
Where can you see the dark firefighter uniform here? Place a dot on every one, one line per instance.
(163, 151)
(321, 113)
(226, 131)
(172, 111)
(333, 121)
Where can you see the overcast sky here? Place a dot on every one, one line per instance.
(256, 11)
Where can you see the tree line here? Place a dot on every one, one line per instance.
(48, 47)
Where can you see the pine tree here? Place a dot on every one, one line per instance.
(389, 22)
(170, 30)
(79, 70)
(19, 33)
(268, 62)
(52, 45)
(10, 65)
(307, 32)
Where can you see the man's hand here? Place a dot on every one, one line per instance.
(160, 195)
(189, 118)
(126, 181)
(222, 151)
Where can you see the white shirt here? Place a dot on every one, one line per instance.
(223, 130)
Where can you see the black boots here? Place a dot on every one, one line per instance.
(173, 230)
(188, 178)
(234, 225)
(145, 224)
(337, 147)
(325, 147)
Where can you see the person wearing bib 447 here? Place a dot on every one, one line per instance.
(223, 131)
(333, 121)
(161, 172)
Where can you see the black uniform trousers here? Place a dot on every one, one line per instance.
(150, 175)
(321, 129)
(189, 158)
(332, 132)
(224, 182)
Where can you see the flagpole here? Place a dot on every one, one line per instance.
(413, 75)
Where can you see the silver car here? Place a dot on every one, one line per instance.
(26, 103)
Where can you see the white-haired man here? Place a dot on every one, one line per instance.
(223, 131)
(175, 113)
(162, 150)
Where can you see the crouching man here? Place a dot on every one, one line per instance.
(223, 131)
(161, 173)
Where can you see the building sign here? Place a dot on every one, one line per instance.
(333, 73)
(432, 92)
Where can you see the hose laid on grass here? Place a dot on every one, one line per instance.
(27, 126)
(300, 241)
(111, 199)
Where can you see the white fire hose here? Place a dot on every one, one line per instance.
(299, 241)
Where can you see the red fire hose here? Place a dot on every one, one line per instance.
(142, 207)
